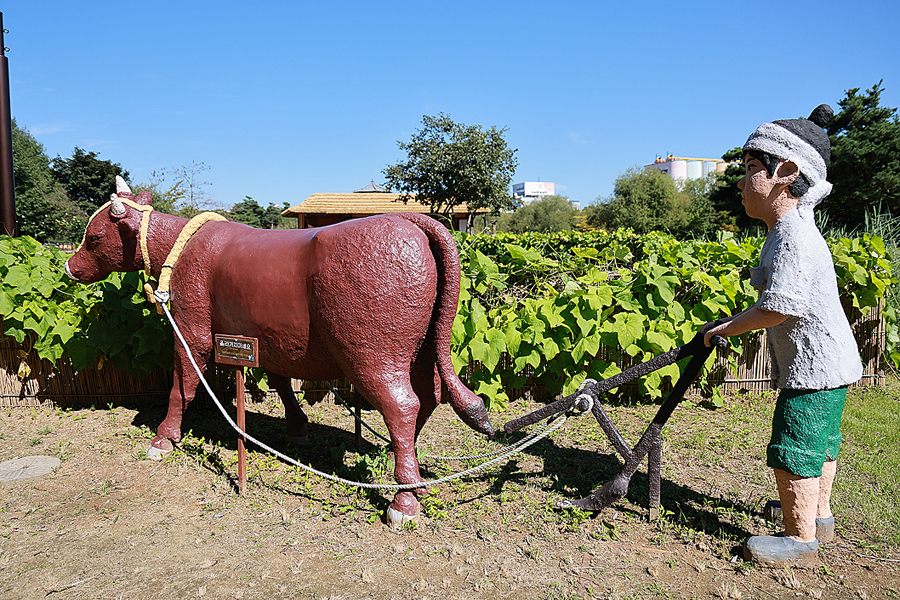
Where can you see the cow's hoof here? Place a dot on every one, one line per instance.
(158, 449)
(296, 440)
(396, 519)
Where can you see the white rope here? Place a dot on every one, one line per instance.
(524, 443)
(426, 456)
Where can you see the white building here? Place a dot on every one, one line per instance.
(529, 191)
(681, 168)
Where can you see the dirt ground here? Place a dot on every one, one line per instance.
(108, 523)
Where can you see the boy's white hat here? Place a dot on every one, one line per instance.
(803, 142)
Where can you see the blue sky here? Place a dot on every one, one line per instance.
(285, 99)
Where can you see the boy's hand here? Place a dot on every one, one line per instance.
(713, 328)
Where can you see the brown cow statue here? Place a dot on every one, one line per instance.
(370, 299)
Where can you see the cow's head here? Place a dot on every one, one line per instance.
(111, 241)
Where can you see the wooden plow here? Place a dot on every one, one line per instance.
(587, 398)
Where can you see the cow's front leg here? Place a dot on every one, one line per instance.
(184, 387)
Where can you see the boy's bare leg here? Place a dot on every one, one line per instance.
(826, 481)
(824, 516)
(798, 544)
(799, 503)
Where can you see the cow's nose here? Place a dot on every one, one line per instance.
(69, 273)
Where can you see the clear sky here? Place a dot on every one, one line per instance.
(285, 99)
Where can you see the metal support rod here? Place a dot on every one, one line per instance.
(654, 478)
(357, 405)
(7, 184)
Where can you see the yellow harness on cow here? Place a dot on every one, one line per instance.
(161, 292)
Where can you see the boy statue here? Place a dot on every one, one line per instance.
(813, 352)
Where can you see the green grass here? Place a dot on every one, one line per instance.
(867, 487)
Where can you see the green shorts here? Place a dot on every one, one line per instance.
(806, 430)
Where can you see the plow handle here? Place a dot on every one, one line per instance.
(695, 346)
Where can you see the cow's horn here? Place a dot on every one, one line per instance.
(116, 208)
(122, 187)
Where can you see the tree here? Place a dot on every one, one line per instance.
(166, 196)
(450, 163)
(550, 213)
(865, 158)
(725, 197)
(249, 211)
(650, 200)
(43, 210)
(88, 181)
(273, 219)
(178, 191)
(190, 184)
(701, 216)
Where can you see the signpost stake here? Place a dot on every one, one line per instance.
(241, 422)
(238, 351)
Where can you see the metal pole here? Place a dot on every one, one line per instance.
(7, 185)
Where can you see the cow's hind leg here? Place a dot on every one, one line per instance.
(399, 405)
(426, 383)
(297, 430)
(426, 386)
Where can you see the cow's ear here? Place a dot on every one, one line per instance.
(144, 198)
(129, 227)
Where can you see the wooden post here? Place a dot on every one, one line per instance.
(654, 476)
(241, 423)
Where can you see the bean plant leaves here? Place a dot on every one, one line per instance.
(561, 306)
(64, 320)
(611, 295)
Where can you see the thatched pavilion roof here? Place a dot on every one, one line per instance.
(361, 204)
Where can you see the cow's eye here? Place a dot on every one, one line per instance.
(94, 238)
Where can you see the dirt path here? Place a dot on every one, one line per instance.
(110, 524)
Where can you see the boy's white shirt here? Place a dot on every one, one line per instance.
(813, 348)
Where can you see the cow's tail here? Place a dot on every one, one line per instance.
(467, 405)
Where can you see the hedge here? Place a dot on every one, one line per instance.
(554, 308)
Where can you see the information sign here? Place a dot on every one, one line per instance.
(236, 350)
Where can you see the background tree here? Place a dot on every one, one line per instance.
(550, 213)
(249, 211)
(650, 200)
(701, 216)
(43, 210)
(450, 163)
(88, 181)
(865, 158)
(190, 181)
(725, 197)
(166, 195)
(179, 191)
